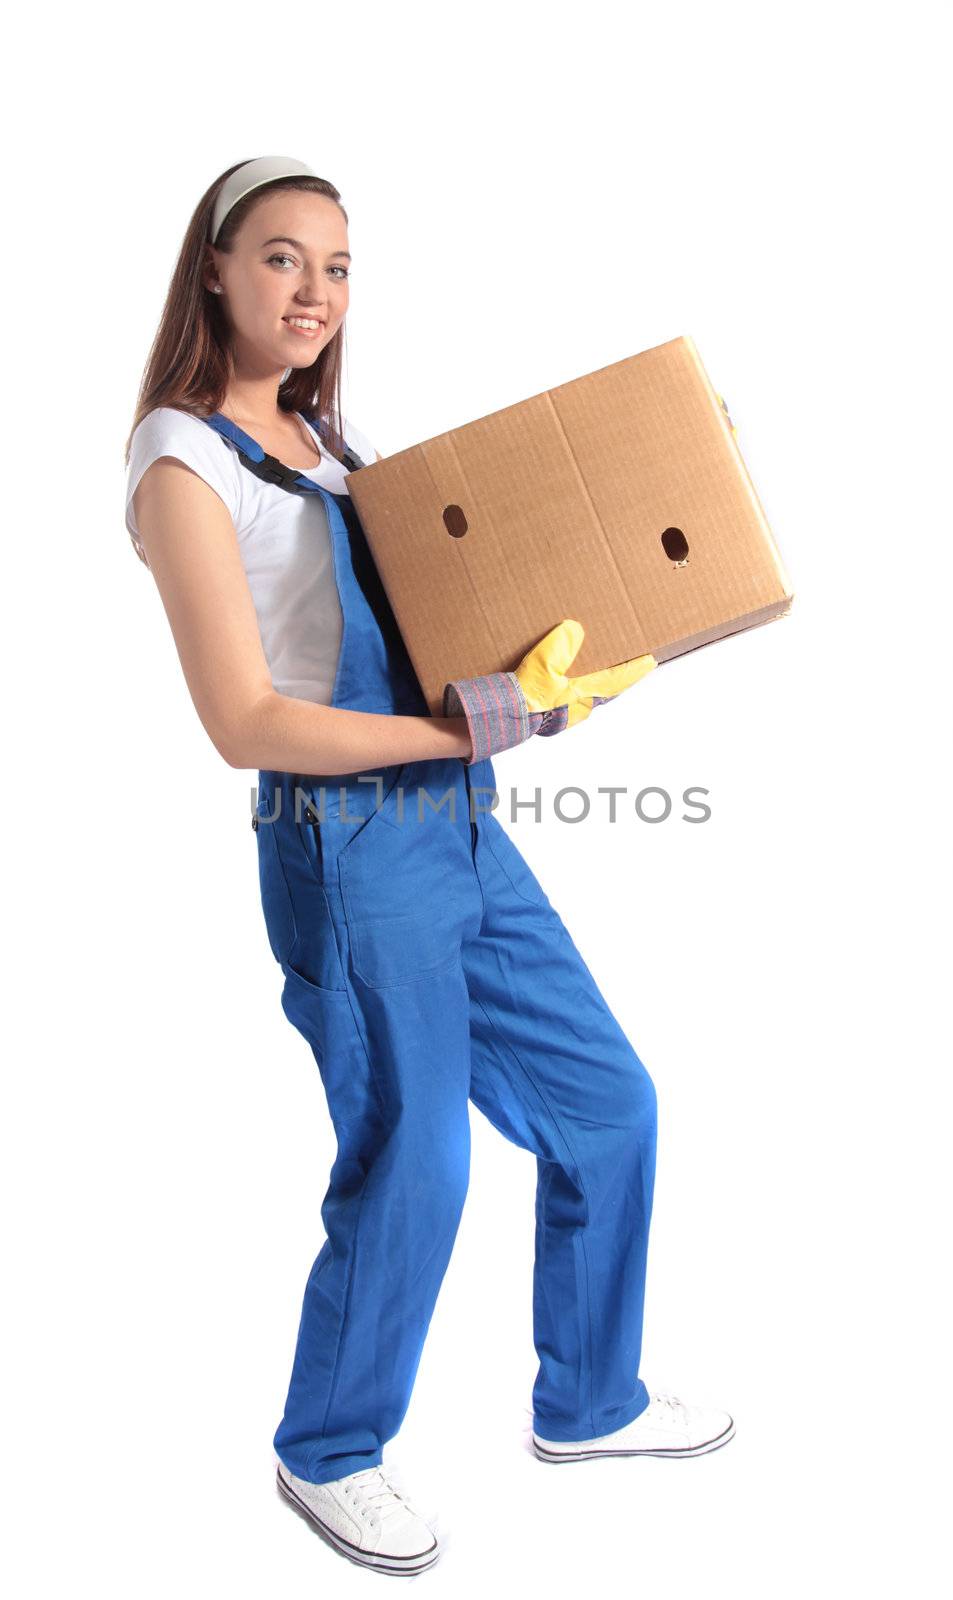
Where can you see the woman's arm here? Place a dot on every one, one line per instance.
(190, 542)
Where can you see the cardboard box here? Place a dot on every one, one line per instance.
(620, 499)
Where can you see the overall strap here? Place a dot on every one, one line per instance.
(269, 468)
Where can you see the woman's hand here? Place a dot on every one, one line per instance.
(506, 708)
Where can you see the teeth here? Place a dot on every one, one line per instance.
(303, 322)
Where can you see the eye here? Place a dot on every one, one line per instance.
(280, 256)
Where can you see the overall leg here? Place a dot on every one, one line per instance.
(385, 1009)
(554, 1072)
(396, 1078)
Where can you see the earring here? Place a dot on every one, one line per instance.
(217, 289)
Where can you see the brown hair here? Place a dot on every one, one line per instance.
(188, 366)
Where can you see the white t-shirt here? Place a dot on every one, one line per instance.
(284, 541)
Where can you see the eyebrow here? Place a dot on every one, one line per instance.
(297, 245)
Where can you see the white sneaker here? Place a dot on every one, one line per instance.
(666, 1427)
(365, 1517)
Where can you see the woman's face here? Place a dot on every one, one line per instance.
(290, 259)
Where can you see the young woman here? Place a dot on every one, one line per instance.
(422, 960)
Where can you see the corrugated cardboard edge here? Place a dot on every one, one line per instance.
(783, 577)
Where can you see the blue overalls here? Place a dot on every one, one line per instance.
(425, 966)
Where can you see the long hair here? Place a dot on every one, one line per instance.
(188, 364)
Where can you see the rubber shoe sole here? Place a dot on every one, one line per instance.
(572, 1453)
(405, 1566)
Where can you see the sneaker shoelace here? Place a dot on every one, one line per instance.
(377, 1493)
(673, 1402)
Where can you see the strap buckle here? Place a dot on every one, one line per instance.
(271, 470)
(275, 471)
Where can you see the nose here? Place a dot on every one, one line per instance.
(314, 301)
(312, 304)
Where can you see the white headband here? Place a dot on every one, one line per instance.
(247, 177)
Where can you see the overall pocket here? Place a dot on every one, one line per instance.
(324, 1018)
(275, 896)
(310, 827)
(297, 915)
(409, 892)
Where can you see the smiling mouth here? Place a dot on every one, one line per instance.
(309, 326)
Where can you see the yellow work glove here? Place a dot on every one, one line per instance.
(505, 708)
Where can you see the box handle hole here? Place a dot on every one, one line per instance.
(455, 522)
(675, 545)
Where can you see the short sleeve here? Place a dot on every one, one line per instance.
(360, 441)
(167, 431)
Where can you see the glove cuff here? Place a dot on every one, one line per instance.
(497, 714)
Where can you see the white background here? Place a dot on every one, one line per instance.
(534, 192)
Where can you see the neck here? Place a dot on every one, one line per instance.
(253, 401)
